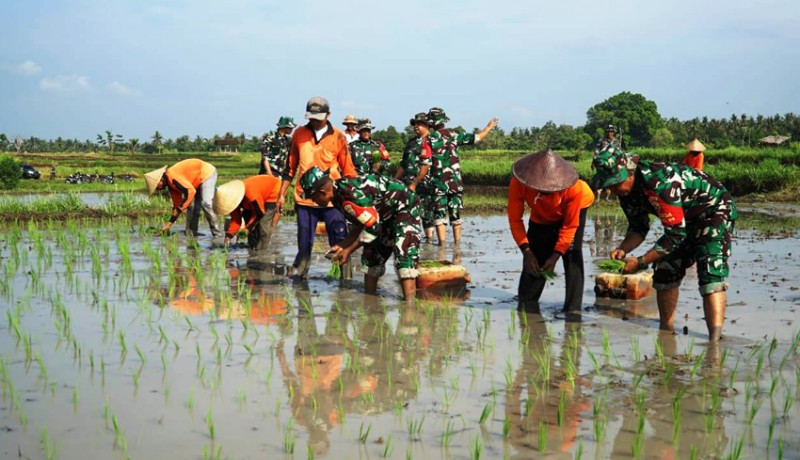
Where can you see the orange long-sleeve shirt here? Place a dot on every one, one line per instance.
(257, 191)
(548, 208)
(329, 152)
(695, 161)
(184, 177)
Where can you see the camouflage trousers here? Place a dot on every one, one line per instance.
(454, 204)
(708, 243)
(399, 236)
(434, 205)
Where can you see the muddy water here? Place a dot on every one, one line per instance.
(123, 344)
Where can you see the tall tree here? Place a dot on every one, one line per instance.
(637, 116)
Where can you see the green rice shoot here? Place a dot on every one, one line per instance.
(335, 271)
(611, 266)
(549, 275)
(432, 264)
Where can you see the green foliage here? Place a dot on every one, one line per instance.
(10, 174)
(390, 138)
(637, 117)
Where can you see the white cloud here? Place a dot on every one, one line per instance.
(65, 83)
(28, 68)
(121, 89)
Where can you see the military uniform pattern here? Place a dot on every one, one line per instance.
(451, 171)
(363, 154)
(698, 216)
(275, 149)
(388, 213)
(605, 143)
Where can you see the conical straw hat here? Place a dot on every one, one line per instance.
(152, 179)
(696, 146)
(227, 197)
(545, 171)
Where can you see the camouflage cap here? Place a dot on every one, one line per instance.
(421, 117)
(611, 129)
(286, 122)
(437, 116)
(364, 123)
(612, 165)
(312, 180)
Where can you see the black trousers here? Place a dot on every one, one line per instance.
(542, 239)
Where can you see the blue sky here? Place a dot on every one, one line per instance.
(78, 68)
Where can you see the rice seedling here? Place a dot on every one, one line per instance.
(542, 437)
(476, 448)
(49, 445)
(289, 441)
(754, 408)
(788, 402)
(387, 447)
(414, 427)
(548, 275)
(780, 448)
(611, 266)
(737, 447)
(637, 356)
(638, 438)
(212, 432)
(363, 434)
(606, 344)
(562, 406)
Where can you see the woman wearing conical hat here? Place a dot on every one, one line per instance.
(252, 199)
(558, 202)
(191, 185)
(695, 156)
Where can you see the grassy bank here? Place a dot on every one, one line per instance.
(757, 174)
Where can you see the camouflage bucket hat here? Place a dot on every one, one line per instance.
(612, 166)
(421, 117)
(286, 122)
(311, 180)
(437, 116)
(365, 123)
(611, 129)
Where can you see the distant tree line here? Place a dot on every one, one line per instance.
(636, 118)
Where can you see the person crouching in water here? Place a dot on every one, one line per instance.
(252, 199)
(698, 216)
(558, 201)
(386, 219)
(191, 184)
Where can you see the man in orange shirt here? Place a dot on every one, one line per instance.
(558, 201)
(252, 199)
(695, 156)
(188, 182)
(318, 144)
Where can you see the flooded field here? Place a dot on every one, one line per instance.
(123, 344)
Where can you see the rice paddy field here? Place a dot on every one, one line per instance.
(118, 343)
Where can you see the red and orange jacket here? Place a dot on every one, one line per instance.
(328, 152)
(548, 208)
(258, 190)
(183, 179)
(694, 160)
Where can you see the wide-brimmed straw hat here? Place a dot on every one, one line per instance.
(152, 179)
(696, 146)
(545, 171)
(228, 197)
(350, 119)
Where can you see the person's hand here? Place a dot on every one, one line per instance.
(631, 265)
(342, 256)
(413, 187)
(276, 218)
(529, 263)
(279, 205)
(617, 254)
(333, 252)
(492, 123)
(227, 241)
(550, 263)
(166, 227)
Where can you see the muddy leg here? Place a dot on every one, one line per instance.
(667, 304)
(409, 288)
(429, 234)
(370, 284)
(441, 234)
(456, 233)
(714, 309)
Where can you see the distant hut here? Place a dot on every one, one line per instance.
(227, 145)
(772, 141)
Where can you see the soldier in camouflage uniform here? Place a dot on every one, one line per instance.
(364, 149)
(698, 216)
(385, 218)
(275, 147)
(609, 139)
(449, 182)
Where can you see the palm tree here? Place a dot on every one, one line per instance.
(133, 145)
(157, 139)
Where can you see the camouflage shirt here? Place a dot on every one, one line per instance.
(275, 149)
(417, 153)
(451, 164)
(603, 143)
(680, 196)
(363, 155)
(371, 201)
